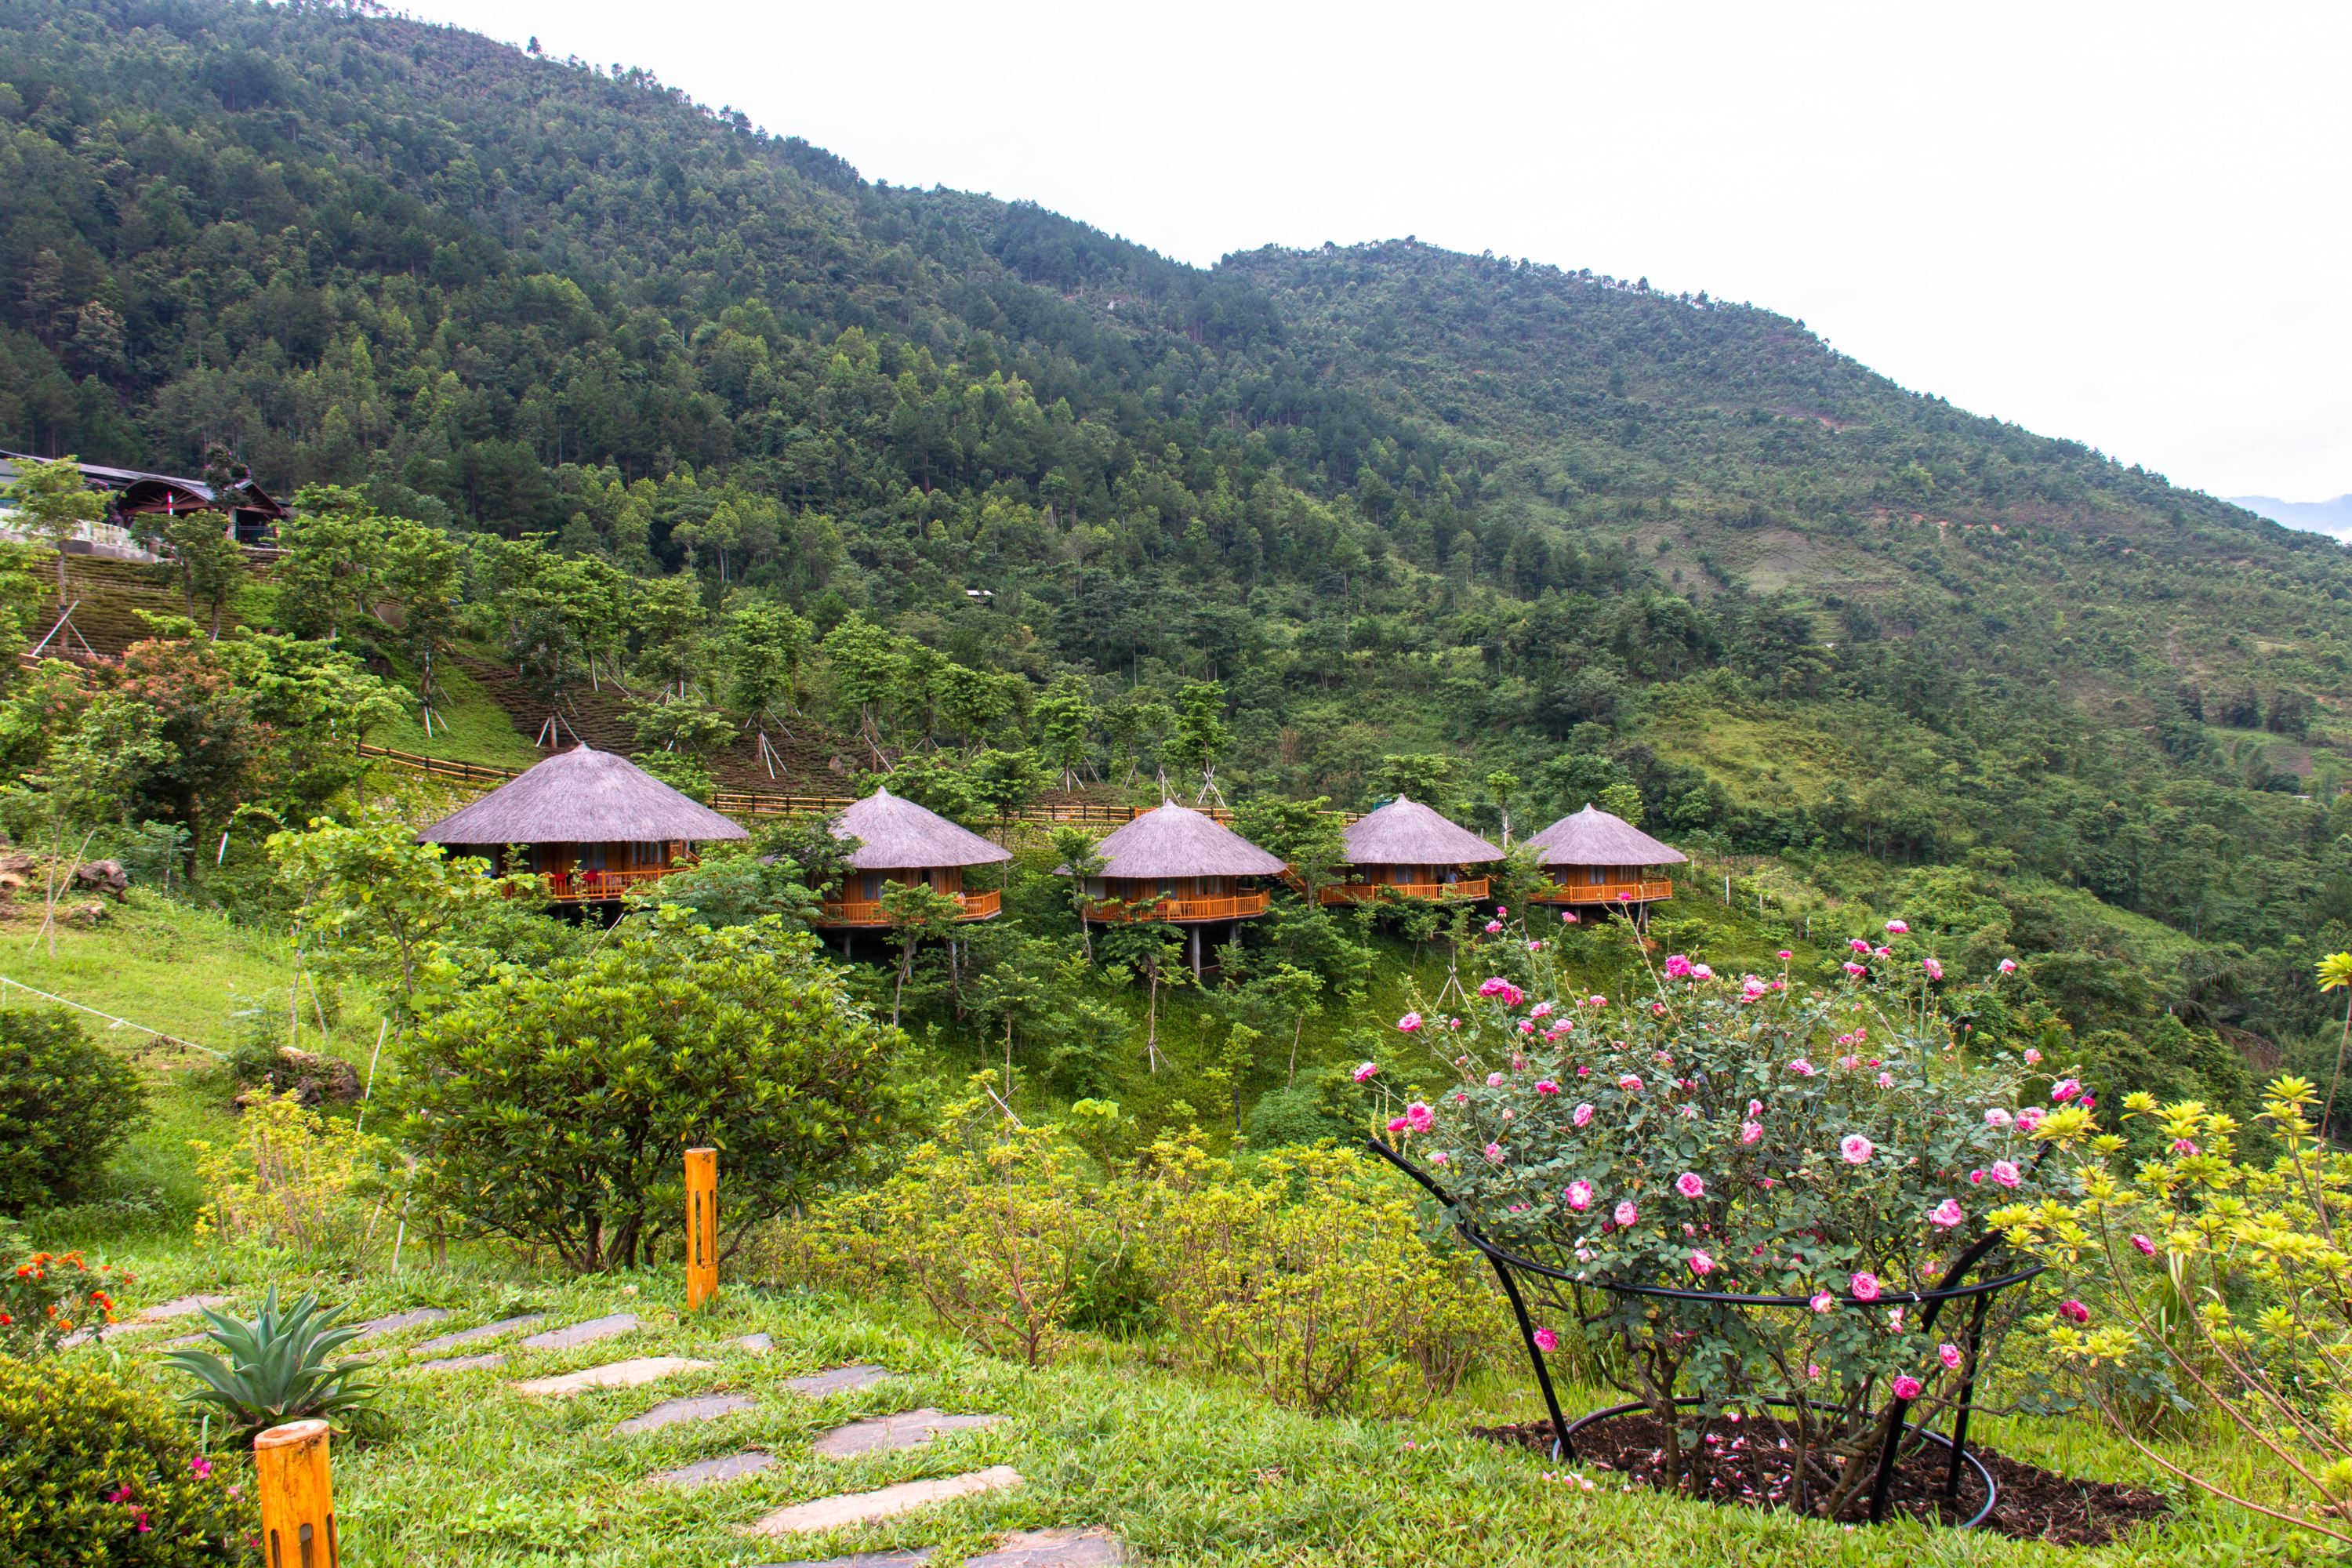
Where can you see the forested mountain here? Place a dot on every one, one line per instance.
(1397, 500)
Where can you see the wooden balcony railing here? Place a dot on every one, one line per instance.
(838, 912)
(1470, 888)
(588, 886)
(1234, 906)
(1606, 893)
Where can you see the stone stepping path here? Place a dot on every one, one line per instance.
(838, 1380)
(611, 1374)
(394, 1322)
(475, 1336)
(578, 1334)
(1054, 1548)
(890, 1502)
(182, 1306)
(671, 1412)
(457, 1364)
(907, 1429)
(705, 1472)
(866, 1560)
(758, 1345)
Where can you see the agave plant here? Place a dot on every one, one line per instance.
(278, 1366)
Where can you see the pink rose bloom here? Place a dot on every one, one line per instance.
(1546, 1340)
(1397, 1124)
(1365, 1072)
(1855, 1150)
(2028, 1118)
(2183, 1146)
(1546, 1086)
(1906, 1387)
(1580, 1195)
(1493, 1080)
(1701, 972)
(1495, 1154)
(1419, 1117)
(1897, 928)
(1494, 926)
(1677, 965)
(1813, 1371)
(1853, 969)
(1947, 1213)
(1824, 1301)
(1452, 1022)
(1502, 909)
(1627, 1214)
(1785, 955)
(2008, 967)
(1690, 1184)
(1596, 1001)
(1750, 1132)
(1802, 1068)
(1996, 1117)
(1753, 989)
(1864, 1287)
(1409, 1023)
(1886, 1081)
(1858, 944)
(1630, 1084)
(1949, 1354)
(1701, 1264)
(1935, 971)
(1583, 1114)
(1438, 1158)
(1755, 1108)
(2005, 1172)
(2075, 1312)
(1977, 1177)
(1540, 1010)
(2146, 1247)
(2032, 1056)
(1568, 919)
(2064, 1090)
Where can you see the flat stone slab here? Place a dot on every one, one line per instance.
(577, 1334)
(864, 1559)
(1054, 1548)
(907, 1429)
(474, 1336)
(395, 1322)
(838, 1380)
(611, 1374)
(758, 1345)
(707, 1472)
(182, 1306)
(670, 1411)
(866, 1508)
(457, 1363)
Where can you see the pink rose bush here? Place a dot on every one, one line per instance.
(1713, 1156)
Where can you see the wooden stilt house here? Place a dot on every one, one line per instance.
(1407, 850)
(1597, 859)
(898, 841)
(1177, 865)
(595, 825)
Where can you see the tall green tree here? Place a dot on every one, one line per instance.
(52, 502)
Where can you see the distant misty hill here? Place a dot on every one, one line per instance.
(2330, 517)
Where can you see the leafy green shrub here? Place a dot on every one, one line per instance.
(1288, 1116)
(299, 1187)
(550, 1104)
(45, 1296)
(279, 1366)
(65, 1104)
(1307, 1274)
(95, 1471)
(1743, 1136)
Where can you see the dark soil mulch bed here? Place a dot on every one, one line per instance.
(1748, 1468)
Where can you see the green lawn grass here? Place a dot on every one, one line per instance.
(467, 724)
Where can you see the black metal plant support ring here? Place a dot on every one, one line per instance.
(1507, 1264)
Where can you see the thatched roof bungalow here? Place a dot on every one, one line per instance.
(898, 841)
(1598, 858)
(595, 825)
(1181, 867)
(1407, 850)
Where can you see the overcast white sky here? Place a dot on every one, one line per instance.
(2123, 223)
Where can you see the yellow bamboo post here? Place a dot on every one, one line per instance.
(701, 1226)
(298, 1504)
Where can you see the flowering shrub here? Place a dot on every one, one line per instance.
(1743, 1135)
(2224, 1277)
(46, 1295)
(94, 1470)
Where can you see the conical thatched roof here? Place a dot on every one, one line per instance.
(1593, 837)
(895, 835)
(583, 796)
(1407, 833)
(1177, 841)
